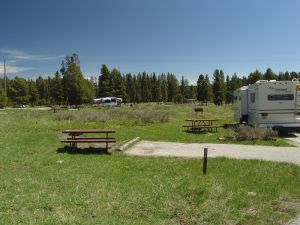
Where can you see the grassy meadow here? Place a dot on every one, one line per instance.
(157, 122)
(42, 183)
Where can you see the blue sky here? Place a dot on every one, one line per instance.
(185, 37)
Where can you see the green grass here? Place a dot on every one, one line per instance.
(127, 129)
(115, 189)
(40, 185)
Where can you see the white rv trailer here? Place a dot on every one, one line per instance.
(108, 101)
(274, 104)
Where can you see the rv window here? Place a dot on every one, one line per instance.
(107, 101)
(281, 97)
(113, 100)
(235, 98)
(252, 97)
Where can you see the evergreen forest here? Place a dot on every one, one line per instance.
(68, 86)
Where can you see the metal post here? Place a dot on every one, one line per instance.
(205, 161)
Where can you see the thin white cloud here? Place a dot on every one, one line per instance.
(17, 54)
(11, 68)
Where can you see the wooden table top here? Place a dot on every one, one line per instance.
(87, 131)
(201, 119)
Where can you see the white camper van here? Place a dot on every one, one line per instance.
(108, 101)
(274, 104)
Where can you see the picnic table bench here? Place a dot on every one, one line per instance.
(75, 137)
(201, 125)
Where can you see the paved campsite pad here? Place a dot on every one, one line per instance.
(168, 149)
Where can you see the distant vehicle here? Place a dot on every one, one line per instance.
(274, 104)
(108, 101)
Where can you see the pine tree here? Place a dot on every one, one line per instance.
(74, 85)
(294, 75)
(43, 89)
(164, 88)
(219, 88)
(269, 75)
(119, 88)
(201, 95)
(94, 84)
(18, 90)
(88, 93)
(208, 89)
(229, 91)
(154, 88)
(137, 81)
(56, 89)
(182, 89)
(235, 82)
(105, 82)
(33, 93)
(130, 88)
(287, 76)
(146, 87)
(254, 76)
(204, 89)
(187, 94)
(173, 94)
(158, 90)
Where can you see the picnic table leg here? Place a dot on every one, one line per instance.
(74, 144)
(107, 142)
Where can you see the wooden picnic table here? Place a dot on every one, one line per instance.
(75, 137)
(197, 125)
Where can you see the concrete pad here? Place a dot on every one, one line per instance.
(169, 149)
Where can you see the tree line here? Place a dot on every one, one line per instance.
(68, 86)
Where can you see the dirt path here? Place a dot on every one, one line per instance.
(269, 153)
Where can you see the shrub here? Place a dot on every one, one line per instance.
(65, 116)
(118, 113)
(94, 116)
(251, 133)
(34, 114)
(144, 116)
(149, 116)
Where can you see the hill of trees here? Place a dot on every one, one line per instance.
(68, 86)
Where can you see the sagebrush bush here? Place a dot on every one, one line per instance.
(149, 116)
(118, 113)
(34, 114)
(94, 116)
(251, 133)
(144, 116)
(139, 116)
(65, 116)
